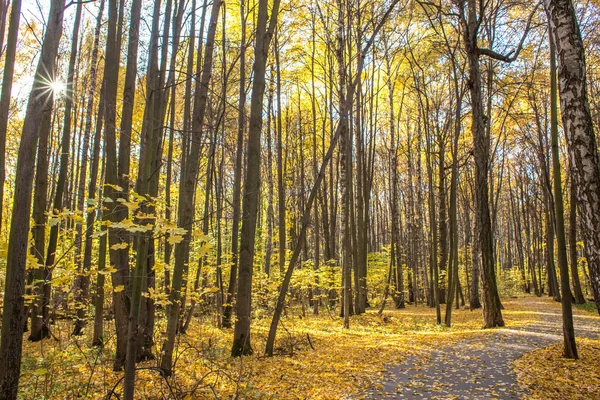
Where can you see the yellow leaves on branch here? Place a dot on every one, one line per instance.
(107, 271)
(174, 239)
(115, 187)
(119, 288)
(119, 246)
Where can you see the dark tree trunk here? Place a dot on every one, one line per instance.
(7, 79)
(569, 346)
(13, 312)
(264, 32)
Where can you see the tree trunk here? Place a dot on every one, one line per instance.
(264, 33)
(492, 316)
(189, 176)
(39, 329)
(7, 79)
(82, 281)
(579, 131)
(57, 205)
(570, 348)
(13, 313)
(111, 76)
(578, 297)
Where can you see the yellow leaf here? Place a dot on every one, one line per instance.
(115, 187)
(175, 239)
(119, 246)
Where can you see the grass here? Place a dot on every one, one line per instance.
(588, 306)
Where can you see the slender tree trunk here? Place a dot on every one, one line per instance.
(578, 297)
(237, 174)
(39, 330)
(189, 175)
(150, 144)
(82, 281)
(111, 71)
(61, 182)
(570, 348)
(13, 313)
(453, 282)
(280, 166)
(345, 161)
(264, 32)
(7, 80)
(270, 212)
(98, 336)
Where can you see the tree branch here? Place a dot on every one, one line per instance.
(513, 54)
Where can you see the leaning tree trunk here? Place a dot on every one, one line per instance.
(314, 192)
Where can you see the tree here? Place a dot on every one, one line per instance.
(57, 205)
(264, 32)
(40, 100)
(82, 282)
(189, 175)
(7, 79)
(579, 129)
(471, 16)
(570, 349)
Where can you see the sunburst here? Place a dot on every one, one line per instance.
(48, 85)
(58, 87)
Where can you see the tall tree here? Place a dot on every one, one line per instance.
(110, 192)
(189, 176)
(569, 347)
(82, 282)
(237, 174)
(7, 80)
(13, 312)
(264, 32)
(471, 15)
(579, 128)
(61, 183)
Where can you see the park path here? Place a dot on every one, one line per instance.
(479, 366)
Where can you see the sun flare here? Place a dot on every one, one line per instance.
(58, 87)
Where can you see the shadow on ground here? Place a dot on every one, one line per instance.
(479, 366)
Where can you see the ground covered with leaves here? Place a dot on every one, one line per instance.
(548, 375)
(316, 358)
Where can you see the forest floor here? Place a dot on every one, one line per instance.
(515, 362)
(400, 354)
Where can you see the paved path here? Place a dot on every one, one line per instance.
(478, 366)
